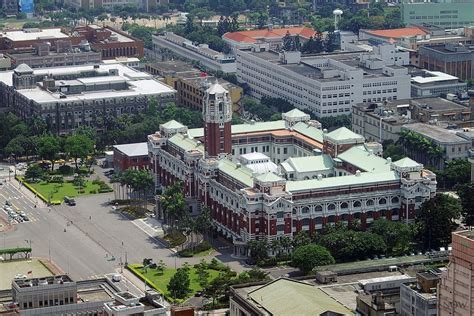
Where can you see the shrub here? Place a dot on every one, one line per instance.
(65, 170)
(57, 179)
(125, 202)
(175, 238)
(205, 245)
(267, 262)
(136, 211)
(186, 253)
(97, 181)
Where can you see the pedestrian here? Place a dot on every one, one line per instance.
(90, 217)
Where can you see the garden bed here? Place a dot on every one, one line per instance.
(159, 281)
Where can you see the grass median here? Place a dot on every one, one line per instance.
(160, 281)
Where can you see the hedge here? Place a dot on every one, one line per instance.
(134, 269)
(29, 187)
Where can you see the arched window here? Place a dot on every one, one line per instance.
(318, 220)
(305, 221)
(356, 215)
(345, 217)
(331, 207)
(357, 204)
(305, 210)
(382, 201)
(395, 199)
(344, 205)
(370, 214)
(331, 219)
(369, 203)
(318, 208)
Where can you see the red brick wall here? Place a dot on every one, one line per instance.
(123, 162)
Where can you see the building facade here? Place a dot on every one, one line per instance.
(172, 45)
(447, 14)
(328, 85)
(190, 92)
(419, 298)
(384, 121)
(249, 200)
(131, 156)
(455, 289)
(63, 55)
(435, 84)
(112, 43)
(68, 97)
(455, 60)
(147, 5)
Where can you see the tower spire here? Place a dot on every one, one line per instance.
(217, 116)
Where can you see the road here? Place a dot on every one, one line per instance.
(83, 239)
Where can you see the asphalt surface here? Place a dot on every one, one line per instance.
(83, 239)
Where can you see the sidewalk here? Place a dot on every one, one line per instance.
(151, 226)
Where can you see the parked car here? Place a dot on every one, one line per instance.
(117, 277)
(8, 203)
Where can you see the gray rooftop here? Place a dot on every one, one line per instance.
(438, 104)
(437, 133)
(134, 149)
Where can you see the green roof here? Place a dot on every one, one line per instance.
(186, 143)
(309, 131)
(343, 133)
(309, 163)
(268, 177)
(244, 128)
(240, 173)
(295, 113)
(358, 156)
(407, 163)
(343, 181)
(172, 124)
(289, 297)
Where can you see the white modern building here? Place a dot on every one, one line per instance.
(435, 83)
(327, 85)
(170, 43)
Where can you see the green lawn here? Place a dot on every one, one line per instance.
(61, 190)
(160, 281)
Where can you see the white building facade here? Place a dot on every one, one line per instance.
(325, 85)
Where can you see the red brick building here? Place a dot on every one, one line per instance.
(111, 42)
(133, 156)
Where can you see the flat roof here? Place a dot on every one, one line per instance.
(436, 133)
(400, 277)
(361, 158)
(174, 66)
(134, 149)
(439, 104)
(139, 83)
(433, 76)
(34, 34)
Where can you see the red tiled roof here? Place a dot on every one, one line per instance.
(253, 35)
(398, 33)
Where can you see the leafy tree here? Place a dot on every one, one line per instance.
(287, 42)
(436, 220)
(160, 267)
(33, 172)
(179, 284)
(330, 44)
(48, 148)
(307, 257)
(258, 249)
(79, 146)
(204, 222)
(15, 147)
(174, 204)
(396, 235)
(456, 172)
(466, 194)
(301, 238)
(218, 287)
(349, 245)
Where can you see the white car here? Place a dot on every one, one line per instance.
(117, 277)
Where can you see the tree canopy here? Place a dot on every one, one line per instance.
(307, 257)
